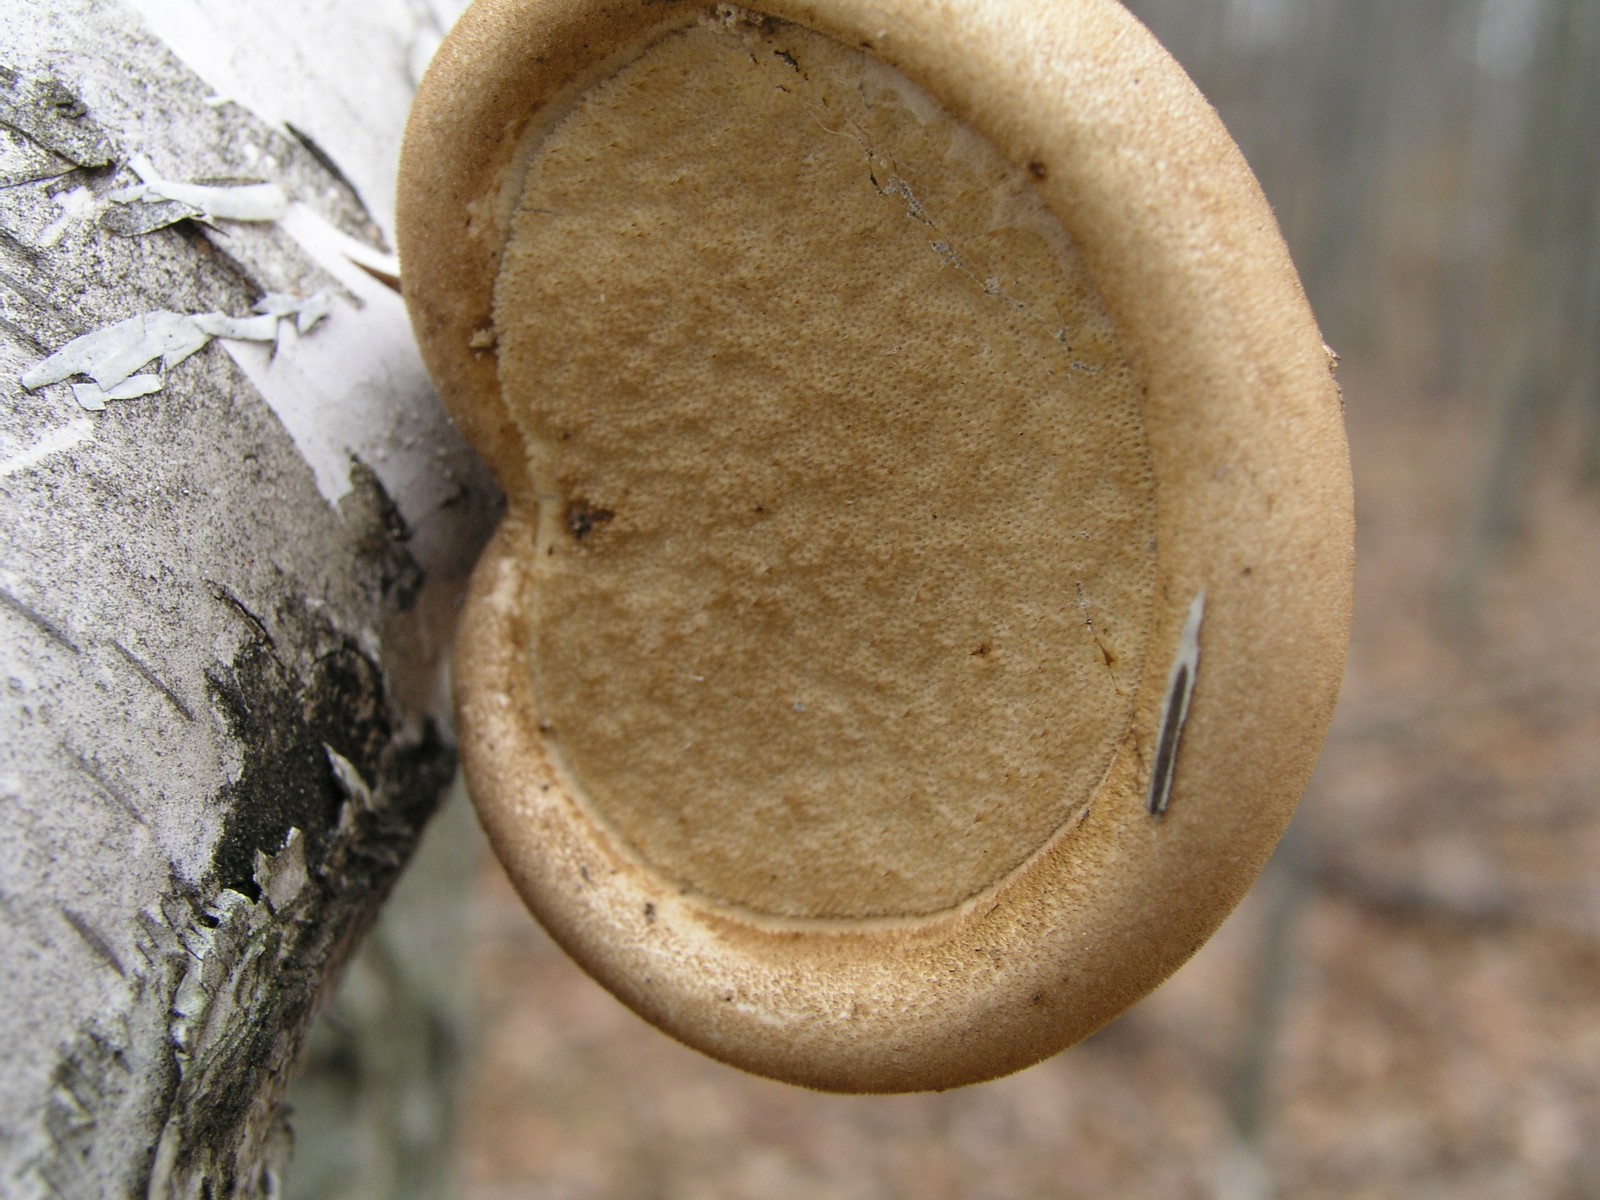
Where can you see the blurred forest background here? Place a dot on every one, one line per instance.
(1408, 1005)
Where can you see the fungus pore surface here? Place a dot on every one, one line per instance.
(845, 554)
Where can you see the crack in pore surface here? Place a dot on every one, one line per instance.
(898, 186)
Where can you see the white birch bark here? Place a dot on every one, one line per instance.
(223, 603)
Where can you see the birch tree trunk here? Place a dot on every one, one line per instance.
(224, 600)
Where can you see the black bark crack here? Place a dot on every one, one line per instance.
(285, 782)
(369, 508)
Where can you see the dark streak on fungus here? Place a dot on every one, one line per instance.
(1180, 689)
(1167, 747)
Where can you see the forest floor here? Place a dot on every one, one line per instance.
(1407, 1005)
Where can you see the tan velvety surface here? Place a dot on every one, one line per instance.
(1251, 506)
(843, 584)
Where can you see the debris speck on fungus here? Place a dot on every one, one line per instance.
(583, 518)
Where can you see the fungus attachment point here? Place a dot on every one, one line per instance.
(871, 416)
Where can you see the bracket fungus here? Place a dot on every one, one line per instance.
(927, 568)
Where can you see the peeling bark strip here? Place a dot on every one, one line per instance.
(1180, 687)
(245, 200)
(109, 357)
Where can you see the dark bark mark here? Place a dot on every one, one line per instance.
(15, 245)
(92, 771)
(92, 938)
(38, 620)
(154, 680)
(225, 595)
(22, 337)
(33, 296)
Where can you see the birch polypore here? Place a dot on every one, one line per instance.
(927, 571)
